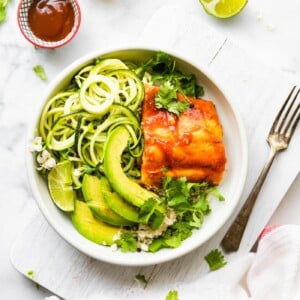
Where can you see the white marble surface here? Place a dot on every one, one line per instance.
(266, 29)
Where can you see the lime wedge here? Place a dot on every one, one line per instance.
(60, 185)
(223, 8)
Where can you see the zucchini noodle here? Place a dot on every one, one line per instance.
(75, 123)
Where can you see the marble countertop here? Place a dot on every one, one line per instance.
(267, 30)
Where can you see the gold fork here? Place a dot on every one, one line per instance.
(278, 139)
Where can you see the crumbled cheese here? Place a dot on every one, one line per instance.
(36, 144)
(145, 234)
(45, 160)
(259, 15)
(76, 172)
(117, 236)
(114, 247)
(270, 27)
(144, 247)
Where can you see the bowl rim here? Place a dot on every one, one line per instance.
(52, 220)
(58, 44)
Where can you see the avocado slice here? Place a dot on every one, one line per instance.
(93, 189)
(128, 189)
(92, 228)
(120, 206)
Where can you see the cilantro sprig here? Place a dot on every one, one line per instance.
(171, 82)
(3, 14)
(190, 201)
(127, 242)
(172, 295)
(167, 98)
(40, 72)
(141, 278)
(215, 259)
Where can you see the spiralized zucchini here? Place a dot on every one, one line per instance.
(75, 123)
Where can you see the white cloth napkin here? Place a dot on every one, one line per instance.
(273, 272)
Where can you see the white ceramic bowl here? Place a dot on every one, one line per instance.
(231, 187)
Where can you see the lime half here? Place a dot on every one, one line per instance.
(223, 8)
(60, 185)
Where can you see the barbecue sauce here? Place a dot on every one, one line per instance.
(51, 20)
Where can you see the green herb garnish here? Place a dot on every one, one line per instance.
(172, 295)
(171, 82)
(127, 242)
(141, 278)
(40, 72)
(215, 260)
(146, 210)
(162, 63)
(30, 275)
(3, 5)
(166, 98)
(190, 202)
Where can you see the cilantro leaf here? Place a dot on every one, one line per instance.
(156, 219)
(2, 14)
(215, 260)
(141, 278)
(166, 98)
(186, 84)
(172, 295)
(173, 236)
(217, 193)
(162, 63)
(127, 242)
(3, 4)
(40, 72)
(30, 274)
(146, 210)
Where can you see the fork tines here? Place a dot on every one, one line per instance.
(280, 126)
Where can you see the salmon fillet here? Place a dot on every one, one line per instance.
(189, 146)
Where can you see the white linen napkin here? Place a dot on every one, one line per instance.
(273, 272)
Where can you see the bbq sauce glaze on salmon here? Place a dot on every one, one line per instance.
(186, 146)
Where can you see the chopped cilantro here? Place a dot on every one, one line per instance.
(30, 274)
(156, 219)
(40, 72)
(151, 213)
(3, 4)
(171, 82)
(172, 295)
(2, 14)
(141, 278)
(166, 98)
(215, 260)
(162, 63)
(190, 202)
(146, 210)
(127, 242)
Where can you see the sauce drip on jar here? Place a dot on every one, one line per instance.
(51, 20)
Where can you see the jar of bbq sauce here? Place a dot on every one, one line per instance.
(51, 20)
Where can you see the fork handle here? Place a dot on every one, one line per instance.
(233, 237)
